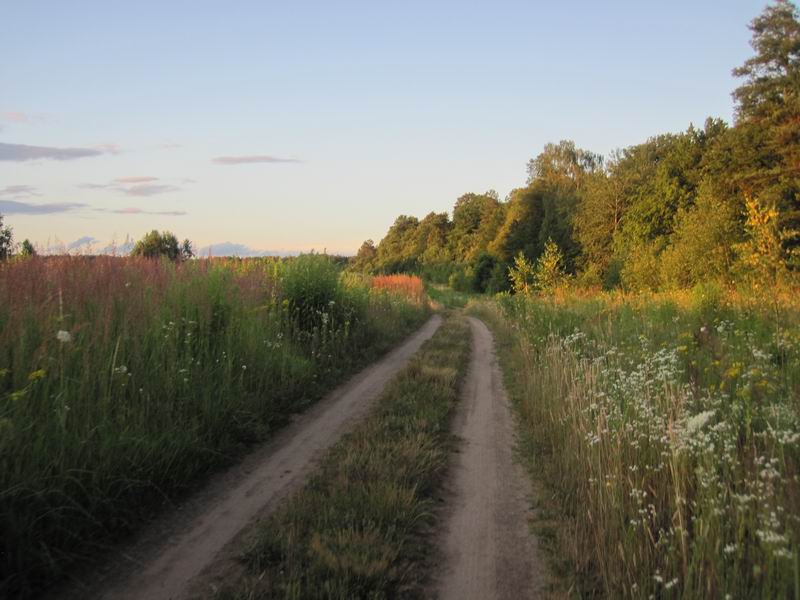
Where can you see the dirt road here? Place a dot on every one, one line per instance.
(487, 549)
(160, 569)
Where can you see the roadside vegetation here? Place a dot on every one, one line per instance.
(665, 430)
(355, 530)
(124, 380)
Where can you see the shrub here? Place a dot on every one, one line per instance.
(310, 284)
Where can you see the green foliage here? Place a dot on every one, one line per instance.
(498, 279)
(461, 279)
(522, 276)
(364, 260)
(640, 272)
(476, 218)
(771, 76)
(549, 274)
(482, 270)
(6, 240)
(27, 249)
(768, 109)
(396, 252)
(187, 249)
(310, 284)
(703, 245)
(707, 300)
(162, 245)
(763, 256)
(563, 165)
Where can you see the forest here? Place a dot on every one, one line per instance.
(715, 202)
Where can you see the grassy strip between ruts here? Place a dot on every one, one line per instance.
(355, 530)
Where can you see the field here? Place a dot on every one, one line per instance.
(664, 430)
(123, 381)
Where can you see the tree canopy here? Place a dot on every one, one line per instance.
(671, 211)
(158, 244)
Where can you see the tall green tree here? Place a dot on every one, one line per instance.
(476, 218)
(768, 113)
(563, 164)
(431, 239)
(364, 260)
(26, 248)
(6, 240)
(396, 252)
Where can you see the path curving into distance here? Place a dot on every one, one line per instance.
(488, 551)
(166, 566)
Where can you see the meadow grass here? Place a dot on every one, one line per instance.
(665, 431)
(447, 297)
(123, 381)
(355, 530)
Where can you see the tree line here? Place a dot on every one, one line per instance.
(717, 202)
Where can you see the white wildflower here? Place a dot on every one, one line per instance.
(697, 422)
(64, 336)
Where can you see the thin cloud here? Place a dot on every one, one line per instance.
(108, 148)
(12, 207)
(137, 179)
(16, 117)
(94, 186)
(149, 189)
(140, 211)
(140, 186)
(18, 191)
(255, 158)
(23, 152)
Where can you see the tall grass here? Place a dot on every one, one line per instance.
(124, 380)
(667, 428)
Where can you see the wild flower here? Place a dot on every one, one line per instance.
(37, 374)
(64, 336)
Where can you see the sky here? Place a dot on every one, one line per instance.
(291, 126)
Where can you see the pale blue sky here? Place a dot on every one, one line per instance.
(387, 109)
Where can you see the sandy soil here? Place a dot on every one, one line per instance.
(167, 559)
(486, 546)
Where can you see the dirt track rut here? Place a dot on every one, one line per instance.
(488, 551)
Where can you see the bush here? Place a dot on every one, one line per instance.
(310, 284)
(498, 279)
(461, 279)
